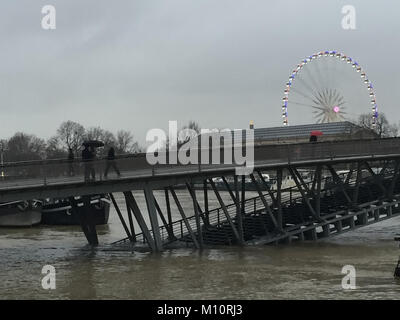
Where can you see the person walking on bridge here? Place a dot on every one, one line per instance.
(71, 171)
(111, 163)
(87, 158)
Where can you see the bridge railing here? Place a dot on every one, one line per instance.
(52, 172)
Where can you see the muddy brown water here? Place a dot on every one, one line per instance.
(309, 270)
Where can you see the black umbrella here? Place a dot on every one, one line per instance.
(93, 143)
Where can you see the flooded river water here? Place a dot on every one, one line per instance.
(297, 271)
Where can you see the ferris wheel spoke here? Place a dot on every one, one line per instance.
(319, 112)
(319, 116)
(301, 93)
(336, 97)
(327, 72)
(314, 82)
(303, 104)
(322, 77)
(330, 97)
(340, 103)
(333, 72)
(304, 83)
(320, 104)
(318, 74)
(320, 108)
(321, 96)
(326, 97)
(315, 75)
(320, 100)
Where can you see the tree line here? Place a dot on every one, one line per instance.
(70, 135)
(383, 128)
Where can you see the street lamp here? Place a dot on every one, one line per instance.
(2, 149)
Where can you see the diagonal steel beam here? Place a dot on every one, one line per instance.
(239, 217)
(151, 208)
(377, 178)
(340, 183)
(139, 218)
(265, 203)
(301, 180)
(222, 204)
(227, 186)
(167, 226)
(349, 175)
(271, 194)
(132, 228)
(191, 190)
(169, 215)
(358, 182)
(304, 195)
(185, 220)
(197, 216)
(121, 218)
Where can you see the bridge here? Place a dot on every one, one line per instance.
(328, 203)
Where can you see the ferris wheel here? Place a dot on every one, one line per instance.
(326, 87)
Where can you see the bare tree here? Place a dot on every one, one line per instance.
(382, 127)
(189, 131)
(24, 147)
(71, 135)
(54, 149)
(125, 143)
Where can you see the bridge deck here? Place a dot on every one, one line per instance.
(46, 179)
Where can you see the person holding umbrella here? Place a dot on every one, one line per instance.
(313, 139)
(88, 157)
(314, 135)
(111, 162)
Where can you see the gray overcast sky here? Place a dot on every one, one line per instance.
(136, 64)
